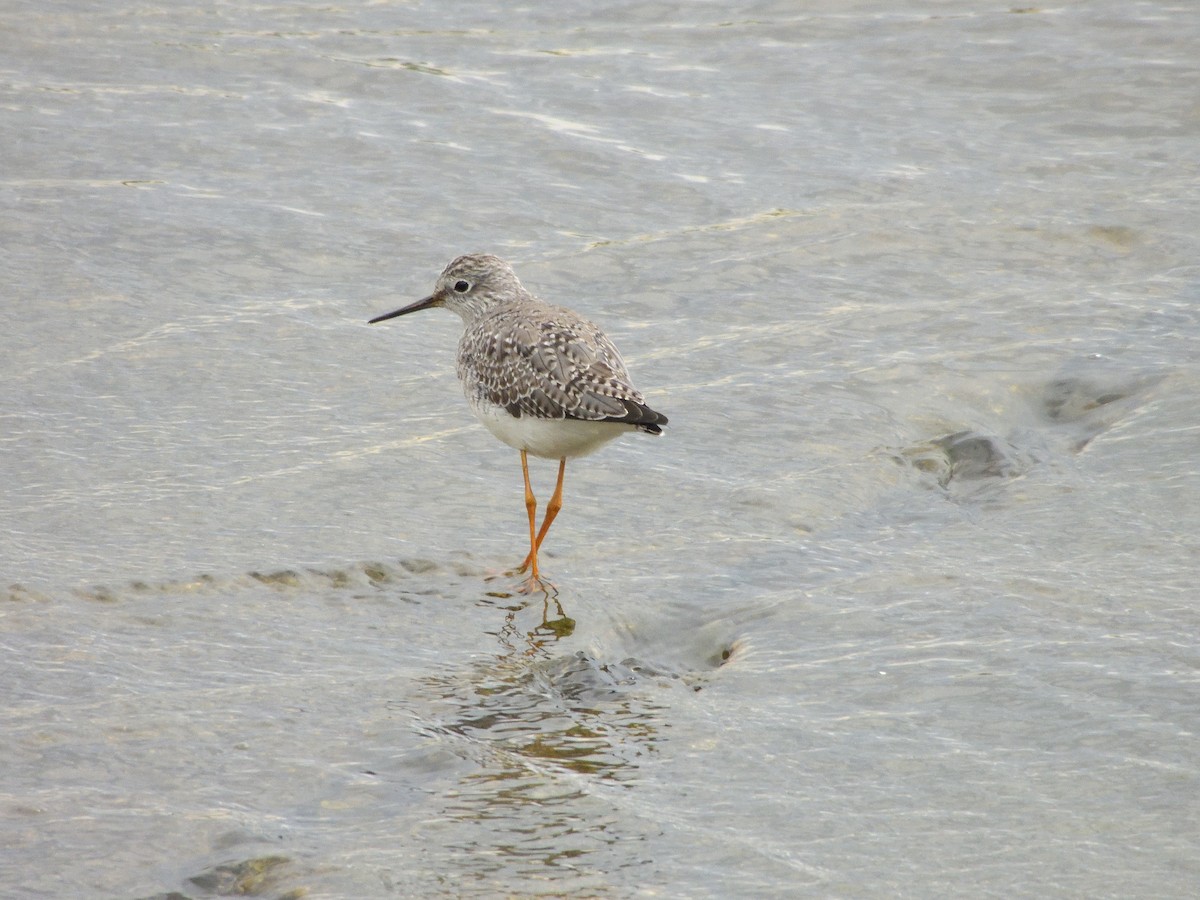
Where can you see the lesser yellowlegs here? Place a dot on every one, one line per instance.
(542, 378)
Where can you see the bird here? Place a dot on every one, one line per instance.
(541, 378)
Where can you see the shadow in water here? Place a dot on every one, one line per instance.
(556, 738)
(548, 629)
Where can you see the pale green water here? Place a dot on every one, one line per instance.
(902, 604)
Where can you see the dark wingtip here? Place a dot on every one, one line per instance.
(642, 417)
(645, 418)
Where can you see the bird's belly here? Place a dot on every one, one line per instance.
(548, 438)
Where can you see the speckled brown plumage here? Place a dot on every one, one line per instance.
(524, 358)
(545, 361)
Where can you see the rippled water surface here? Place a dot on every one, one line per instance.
(903, 604)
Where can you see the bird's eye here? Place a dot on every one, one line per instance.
(462, 286)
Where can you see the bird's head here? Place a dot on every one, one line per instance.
(469, 286)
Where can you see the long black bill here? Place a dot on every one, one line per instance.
(412, 307)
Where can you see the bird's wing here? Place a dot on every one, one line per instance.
(555, 365)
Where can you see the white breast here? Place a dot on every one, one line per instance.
(547, 438)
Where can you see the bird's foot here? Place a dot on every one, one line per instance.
(535, 584)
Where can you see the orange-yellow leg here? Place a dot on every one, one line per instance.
(552, 508)
(531, 508)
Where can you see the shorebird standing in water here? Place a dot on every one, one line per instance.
(542, 378)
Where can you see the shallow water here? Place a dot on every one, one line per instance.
(902, 603)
